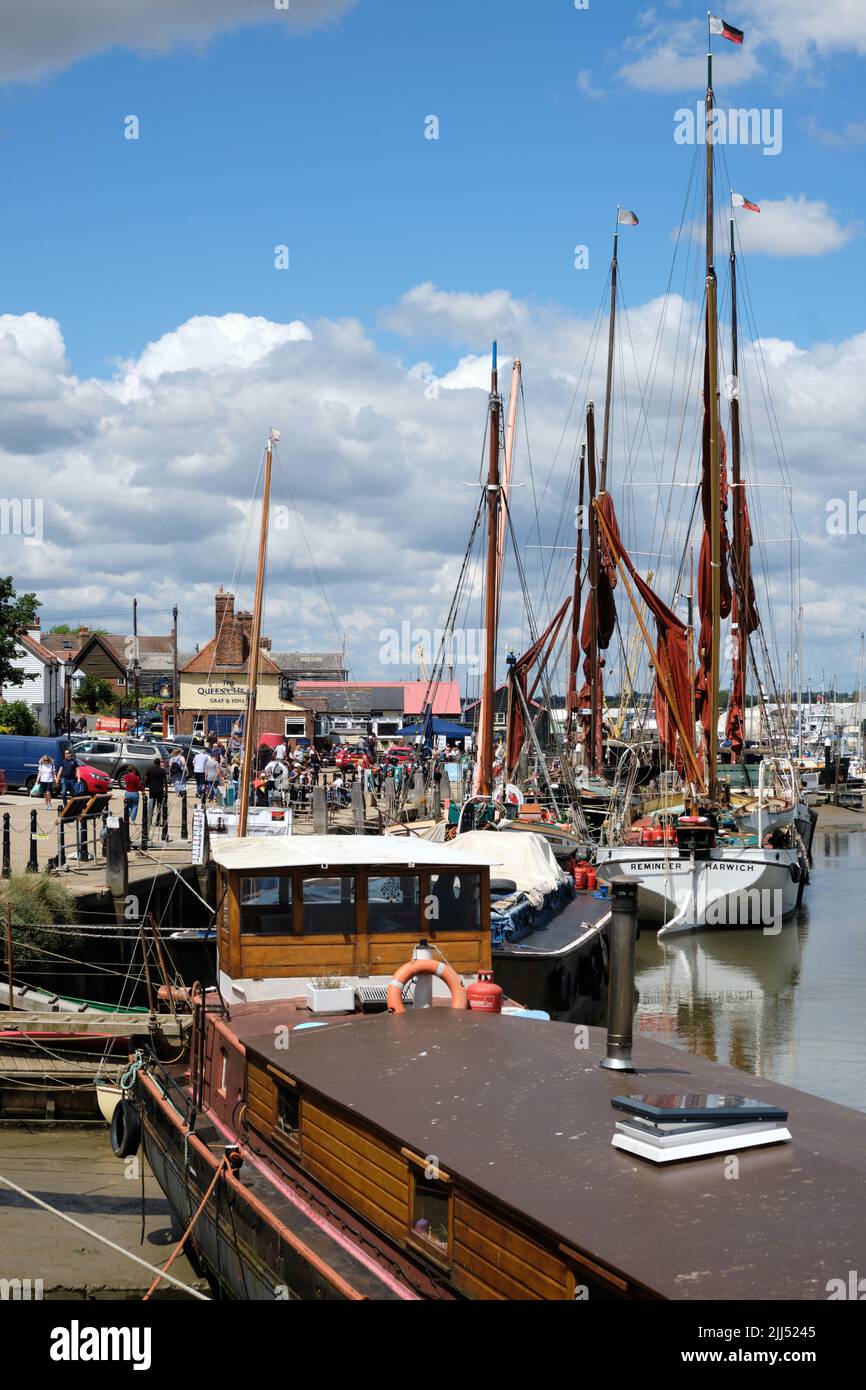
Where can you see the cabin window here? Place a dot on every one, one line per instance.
(266, 905)
(430, 1220)
(392, 903)
(288, 1113)
(329, 905)
(455, 902)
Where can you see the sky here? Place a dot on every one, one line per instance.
(151, 331)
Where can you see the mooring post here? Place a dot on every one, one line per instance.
(320, 811)
(104, 836)
(33, 863)
(7, 846)
(622, 935)
(165, 815)
(143, 798)
(184, 823)
(126, 822)
(358, 806)
(437, 800)
(83, 851)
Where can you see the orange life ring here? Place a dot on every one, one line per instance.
(406, 972)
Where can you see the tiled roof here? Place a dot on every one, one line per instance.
(204, 664)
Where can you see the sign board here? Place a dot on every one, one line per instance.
(261, 820)
(198, 828)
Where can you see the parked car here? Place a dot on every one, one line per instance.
(20, 754)
(97, 783)
(349, 757)
(400, 753)
(113, 755)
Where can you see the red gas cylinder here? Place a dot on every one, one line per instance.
(484, 995)
(658, 835)
(580, 879)
(591, 880)
(646, 835)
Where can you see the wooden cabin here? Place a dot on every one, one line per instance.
(292, 908)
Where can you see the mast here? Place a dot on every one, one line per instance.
(608, 389)
(255, 645)
(714, 460)
(507, 463)
(484, 765)
(574, 650)
(595, 712)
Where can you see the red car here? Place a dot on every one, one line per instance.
(349, 757)
(400, 753)
(96, 782)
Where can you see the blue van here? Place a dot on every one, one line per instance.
(19, 757)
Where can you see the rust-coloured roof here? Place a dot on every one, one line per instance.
(37, 649)
(203, 663)
(518, 1109)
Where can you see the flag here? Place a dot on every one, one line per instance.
(625, 218)
(740, 202)
(727, 31)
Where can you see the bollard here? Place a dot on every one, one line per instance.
(622, 935)
(437, 800)
(142, 796)
(164, 810)
(320, 811)
(7, 846)
(358, 807)
(184, 823)
(104, 835)
(126, 822)
(33, 864)
(83, 851)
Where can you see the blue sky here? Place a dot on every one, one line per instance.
(147, 340)
(316, 140)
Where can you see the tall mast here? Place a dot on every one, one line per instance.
(255, 645)
(741, 577)
(608, 389)
(714, 460)
(507, 464)
(574, 649)
(595, 712)
(484, 766)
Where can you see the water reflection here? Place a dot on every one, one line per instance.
(789, 1006)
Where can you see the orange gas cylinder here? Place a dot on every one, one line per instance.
(580, 879)
(658, 835)
(483, 994)
(591, 880)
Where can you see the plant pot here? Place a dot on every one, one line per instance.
(331, 1001)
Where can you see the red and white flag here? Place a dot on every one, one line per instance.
(727, 31)
(625, 218)
(740, 202)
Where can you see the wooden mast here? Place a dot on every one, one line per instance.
(608, 389)
(247, 769)
(484, 765)
(574, 649)
(595, 712)
(714, 460)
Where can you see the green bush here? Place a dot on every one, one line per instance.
(38, 902)
(18, 718)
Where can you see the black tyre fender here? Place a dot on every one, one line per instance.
(125, 1128)
(503, 886)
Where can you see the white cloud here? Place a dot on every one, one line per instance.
(854, 133)
(788, 226)
(671, 57)
(806, 29)
(47, 35)
(149, 475)
(586, 86)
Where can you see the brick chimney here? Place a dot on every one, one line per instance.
(266, 644)
(245, 627)
(227, 630)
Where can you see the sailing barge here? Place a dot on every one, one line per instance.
(449, 1154)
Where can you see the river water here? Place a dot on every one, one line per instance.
(788, 1007)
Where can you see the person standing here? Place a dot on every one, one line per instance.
(211, 778)
(45, 777)
(67, 774)
(131, 791)
(177, 771)
(199, 763)
(155, 786)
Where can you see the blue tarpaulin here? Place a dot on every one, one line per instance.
(444, 728)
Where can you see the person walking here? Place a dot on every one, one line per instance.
(199, 763)
(131, 791)
(67, 774)
(177, 770)
(155, 783)
(45, 775)
(211, 779)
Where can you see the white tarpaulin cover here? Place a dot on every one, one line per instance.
(525, 858)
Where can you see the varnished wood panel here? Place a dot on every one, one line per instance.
(288, 957)
(494, 1260)
(260, 1099)
(356, 1166)
(370, 1147)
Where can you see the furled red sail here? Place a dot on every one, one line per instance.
(672, 649)
(744, 615)
(571, 695)
(539, 653)
(703, 674)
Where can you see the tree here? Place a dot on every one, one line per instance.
(94, 694)
(16, 615)
(16, 717)
(66, 630)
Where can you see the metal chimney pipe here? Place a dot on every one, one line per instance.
(620, 1000)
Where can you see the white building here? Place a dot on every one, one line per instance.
(43, 692)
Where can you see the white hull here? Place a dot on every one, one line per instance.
(730, 888)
